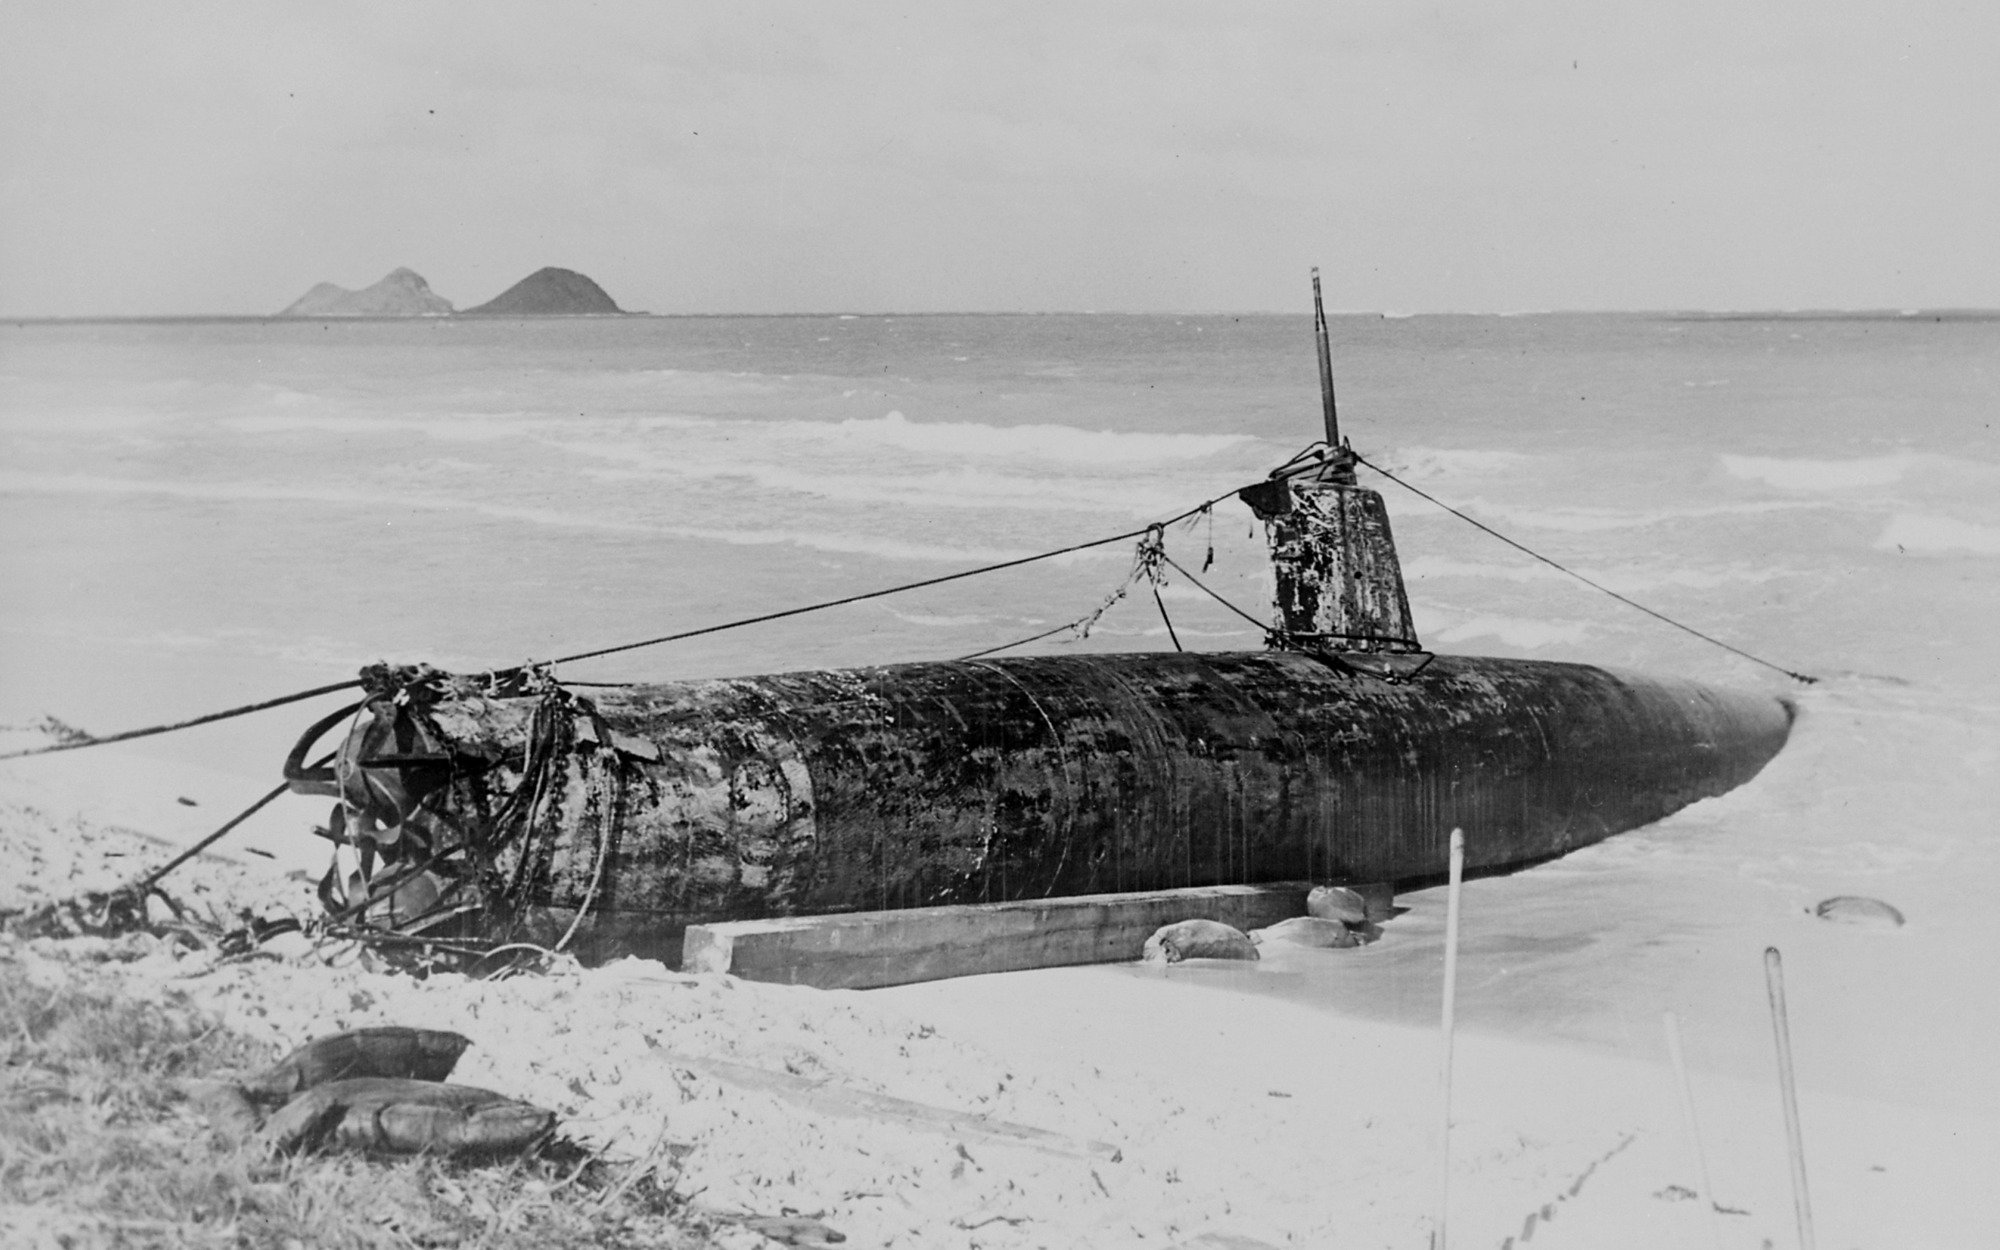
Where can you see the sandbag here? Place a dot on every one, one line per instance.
(390, 1116)
(382, 1051)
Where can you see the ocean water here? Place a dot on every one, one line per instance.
(200, 513)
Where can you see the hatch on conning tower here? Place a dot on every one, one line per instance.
(1340, 586)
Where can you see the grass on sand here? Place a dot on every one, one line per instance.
(99, 1148)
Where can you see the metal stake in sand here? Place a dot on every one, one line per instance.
(1673, 1029)
(1450, 997)
(1774, 980)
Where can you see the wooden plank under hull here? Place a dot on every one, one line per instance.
(867, 949)
(992, 780)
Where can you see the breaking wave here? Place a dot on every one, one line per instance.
(1431, 463)
(1623, 578)
(1039, 443)
(1514, 631)
(349, 498)
(1788, 474)
(455, 428)
(957, 439)
(958, 488)
(1594, 520)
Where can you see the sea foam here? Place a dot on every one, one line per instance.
(1514, 631)
(1939, 535)
(1791, 474)
(1057, 443)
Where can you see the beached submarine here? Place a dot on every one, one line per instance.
(510, 807)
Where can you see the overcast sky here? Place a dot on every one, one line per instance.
(193, 158)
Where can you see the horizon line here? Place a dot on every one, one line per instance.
(1952, 312)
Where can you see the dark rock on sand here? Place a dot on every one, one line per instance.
(403, 293)
(549, 293)
(1336, 902)
(1199, 939)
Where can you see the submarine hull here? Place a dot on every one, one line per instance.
(619, 818)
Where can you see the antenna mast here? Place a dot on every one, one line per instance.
(1325, 366)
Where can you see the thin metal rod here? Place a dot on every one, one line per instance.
(1774, 980)
(1673, 1030)
(1325, 366)
(1162, 605)
(1448, 1027)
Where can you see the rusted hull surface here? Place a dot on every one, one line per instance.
(1337, 576)
(980, 781)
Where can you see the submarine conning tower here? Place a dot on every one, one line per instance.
(1339, 584)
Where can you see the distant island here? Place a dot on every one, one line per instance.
(404, 293)
(549, 292)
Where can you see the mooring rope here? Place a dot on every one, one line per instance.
(1198, 585)
(92, 741)
(1022, 642)
(79, 744)
(1145, 563)
(1630, 603)
(896, 590)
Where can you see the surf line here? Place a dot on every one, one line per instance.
(1297, 465)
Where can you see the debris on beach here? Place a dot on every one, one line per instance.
(383, 1115)
(380, 1090)
(76, 878)
(785, 1230)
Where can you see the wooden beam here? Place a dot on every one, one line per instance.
(861, 950)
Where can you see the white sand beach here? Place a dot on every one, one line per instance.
(1175, 1105)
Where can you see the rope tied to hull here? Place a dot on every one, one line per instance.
(73, 740)
(76, 741)
(1147, 558)
(477, 828)
(1153, 554)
